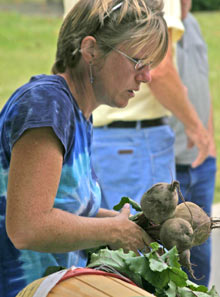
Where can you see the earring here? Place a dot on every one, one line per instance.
(90, 73)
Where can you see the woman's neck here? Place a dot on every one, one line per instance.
(83, 96)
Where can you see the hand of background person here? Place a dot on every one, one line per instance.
(199, 137)
(129, 235)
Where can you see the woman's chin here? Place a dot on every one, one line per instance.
(122, 103)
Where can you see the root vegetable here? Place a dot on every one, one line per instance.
(189, 227)
(159, 202)
(176, 232)
(199, 220)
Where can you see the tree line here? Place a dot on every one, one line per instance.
(198, 5)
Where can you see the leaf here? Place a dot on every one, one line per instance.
(156, 262)
(178, 276)
(161, 263)
(117, 260)
(140, 265)
(156, 265)
(125, 200)
(213, 292)
(171, 257)
(158, 279)
(154, 246)
(172, 290)
(187, 292)
(193, 286)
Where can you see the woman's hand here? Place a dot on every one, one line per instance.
(128, 235)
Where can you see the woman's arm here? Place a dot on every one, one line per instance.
(33, 223)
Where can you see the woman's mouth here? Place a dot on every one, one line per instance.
(131, 92)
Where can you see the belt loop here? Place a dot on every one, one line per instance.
(138, 125)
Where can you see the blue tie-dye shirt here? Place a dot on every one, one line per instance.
(45, 101)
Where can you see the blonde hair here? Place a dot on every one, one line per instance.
(112, 22)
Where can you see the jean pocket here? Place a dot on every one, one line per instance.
(163, 165)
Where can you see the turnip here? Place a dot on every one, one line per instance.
(159, 202)
(185, 236)
(201, 223)
(176, 232)
(179, 232)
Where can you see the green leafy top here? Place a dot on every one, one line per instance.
(158, 274)
(125, 200)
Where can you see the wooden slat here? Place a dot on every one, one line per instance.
(88, 285)
(136, 289)
(105, 285)
(73, 287)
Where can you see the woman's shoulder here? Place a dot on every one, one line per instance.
(48, 85)
(42, 94)
(43, 101)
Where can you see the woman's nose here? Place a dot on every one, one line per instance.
(144, 75)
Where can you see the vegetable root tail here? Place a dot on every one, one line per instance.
(183, 199)
(185, 261)
(191, 271)
(174, 185)
(215, 223)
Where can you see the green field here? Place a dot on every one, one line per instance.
(27, 47)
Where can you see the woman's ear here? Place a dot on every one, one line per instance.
(88, 48)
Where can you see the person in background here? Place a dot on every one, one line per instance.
(133, 147)
(197, 183)
(68, 4)
(49, 195)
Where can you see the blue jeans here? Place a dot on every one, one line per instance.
(197, 185)
(129, 161)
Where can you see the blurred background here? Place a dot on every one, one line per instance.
(28, 34)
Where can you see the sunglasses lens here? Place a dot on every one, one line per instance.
(139, 65)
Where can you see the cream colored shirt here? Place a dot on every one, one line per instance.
(68, 4)
(144, 105)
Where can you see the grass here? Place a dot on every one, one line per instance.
(210, 26)
(28, 43)
(27, 48)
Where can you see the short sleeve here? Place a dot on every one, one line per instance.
(172, 15)
(43, 106)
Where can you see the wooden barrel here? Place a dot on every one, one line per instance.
(86, 282)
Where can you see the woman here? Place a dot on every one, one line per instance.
(52, 211)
